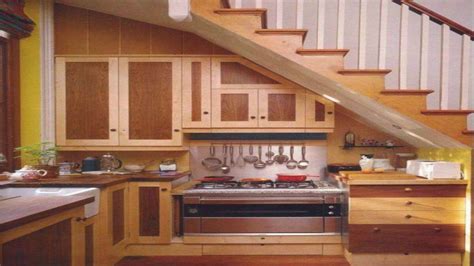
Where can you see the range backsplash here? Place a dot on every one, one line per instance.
(316, 155)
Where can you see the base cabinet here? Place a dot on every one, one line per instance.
(150, 212)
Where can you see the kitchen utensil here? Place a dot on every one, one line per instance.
(109, 163)
(255, 180)
(225, 168)
(134, 168)
(240, 159)
(212, 163)
(90, 164)
(259, 164)
(291, 177)
(303, 163)
(269, 154)
(292, 163)
(251, 158)
(28, 174)
(216, 178)
(231, 154)
(281, 158)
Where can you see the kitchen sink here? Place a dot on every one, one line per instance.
(90, 209)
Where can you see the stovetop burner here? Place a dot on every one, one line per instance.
(262, 185)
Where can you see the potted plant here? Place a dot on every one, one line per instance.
(41, 156)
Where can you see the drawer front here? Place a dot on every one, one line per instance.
(406, 217)
(408, 191)
(407, 204)
(406, 238)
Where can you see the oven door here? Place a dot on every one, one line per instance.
(254, 215)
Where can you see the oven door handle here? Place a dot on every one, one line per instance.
(260, 200)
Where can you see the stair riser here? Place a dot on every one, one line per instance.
(253, 20)
(290, 41)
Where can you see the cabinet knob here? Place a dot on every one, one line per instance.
(79, 219)
(252, 117)
(330, 113)
(331, 206)
(262, 117)
(330, 213)
(437, 229)
(408, 203)
(113, 129)
(205, 112)
(408, 216)
(176, 130)
(408, 189)
(376, 230)
(164, 189)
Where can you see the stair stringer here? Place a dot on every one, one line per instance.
(318, 75)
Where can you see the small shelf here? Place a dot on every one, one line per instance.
(362, 146)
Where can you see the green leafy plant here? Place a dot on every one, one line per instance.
(41, 153)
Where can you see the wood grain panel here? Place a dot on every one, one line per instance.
(87, 96)
(89, 251)
(135, 37)
(70, 30)
(193, 44)
(406, 238)
(196, 92)
(166, 40)
(281, 107)
(48, 246)
(234, 107)
(263, 225)
(319, 111)
(407, 204)
(408, 191)
(236, 73)
(149, 211)
(406, 217)
(118, 216)
(104, 32)
(150, 100)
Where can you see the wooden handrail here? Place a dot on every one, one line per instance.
(436, 17)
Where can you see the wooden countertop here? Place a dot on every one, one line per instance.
(99, 181)
(179, 190)
(23, 210)
(394, 180)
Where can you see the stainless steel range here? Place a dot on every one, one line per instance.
(262, 207)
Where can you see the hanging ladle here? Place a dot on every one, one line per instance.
(303, 163)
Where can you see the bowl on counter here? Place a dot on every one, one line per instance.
(134, 168)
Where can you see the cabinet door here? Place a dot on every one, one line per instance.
(150, 101)
(151, 213)
(86, 101)
(281, 108)
(234, 108)
(196, 92)
(118, 213)
(319, 111)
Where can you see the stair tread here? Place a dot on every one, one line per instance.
(262, 12)
(364, 71)
(447, 112)
(301, 32)
(468, 132)
(407, 91)
(303, 51)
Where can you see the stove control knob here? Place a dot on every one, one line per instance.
(330, 213)
(193, 210)
(331, 206)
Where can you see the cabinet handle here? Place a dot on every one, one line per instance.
(252, 117)
(164, 189)
(205, 112)
(408, 203)
(408, 216)
(437, 229)
(113, 129)
(330, 113)
(176, 130)
(376, 230)
(79, 219)
(262, 117)
(408, 189)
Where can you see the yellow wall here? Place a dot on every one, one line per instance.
(464, 157)
(30, 79)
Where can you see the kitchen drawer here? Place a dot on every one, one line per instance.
(406, 217)
(407, 204)
(388, 191)
(406, 238)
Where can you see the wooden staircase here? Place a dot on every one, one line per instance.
(328, 63)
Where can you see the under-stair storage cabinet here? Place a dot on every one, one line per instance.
(319, 111)
(87, 101)
(150, 101)
(150, 212)
(281, 108)
(197, 92)
(234, 108)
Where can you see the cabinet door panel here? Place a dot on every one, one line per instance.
(319, 111)
(196, 92)
(85, 88)
(149, 206)
(281, 108)
(150, 101)
(118, 216)
(234, 108)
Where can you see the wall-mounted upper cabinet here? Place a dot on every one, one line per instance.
(197, 92)
(281, 108)
(319, 111)
(87, 101)
(150, 101)
(239, 73)
(234, 108)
